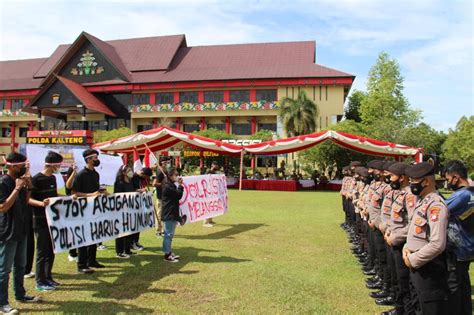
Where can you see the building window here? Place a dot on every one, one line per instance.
(6, 132)
(242, 129)
(270, 127)
(74, 125)
(326, 92)
(240, 96)
(23, 132)
(216, 126)
(267, 95)
(190, 127)
(97, 125)
(139, 99)
(141, 128)
(320, 92)
(314, 93)
(188, 97)
(214, 96)
(3, 104)
(164, 98)
(17, 105)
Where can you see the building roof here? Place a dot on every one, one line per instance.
(169, 59)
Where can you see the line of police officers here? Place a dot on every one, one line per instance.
(397, 223)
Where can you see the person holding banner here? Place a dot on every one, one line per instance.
(213, 170)
(14, 224)
(44, 187)
(170, 212)
(140, 182)
(70, 178)
(161, 175)
(87, 184)
(123, 184)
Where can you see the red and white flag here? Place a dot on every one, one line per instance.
(150, 159)
(137, 164)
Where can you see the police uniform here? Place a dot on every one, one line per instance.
(426, 241)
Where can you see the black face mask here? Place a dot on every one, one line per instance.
(453, 186)
(416, 188)
(387, 180)
(22, 171)
(395, 185)
(371, 176)
(368, 180)
(96, 163)
(377, 176)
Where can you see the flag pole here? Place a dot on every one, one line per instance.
(241, 168)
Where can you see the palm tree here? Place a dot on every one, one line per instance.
(298, 115)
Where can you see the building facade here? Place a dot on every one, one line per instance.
(143, 83)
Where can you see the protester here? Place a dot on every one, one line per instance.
(14, 224)
(87, 184)
(140, 182)
(44, 187)
(213, 170)
(161, 175)
(123, 183)
(70, 177)
(170, 212)
(460, 246)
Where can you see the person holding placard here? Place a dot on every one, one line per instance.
(44, 187)
(170, 212)
(87, 184)
(140, 181)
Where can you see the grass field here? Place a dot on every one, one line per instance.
(274, 252)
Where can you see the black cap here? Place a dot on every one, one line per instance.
(355, 164)
(362, 171)
(147, 171)
(15, 157)
(387, 165)
(376, 164)
(420, 170)
(398, 168)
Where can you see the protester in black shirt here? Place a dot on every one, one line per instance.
(123, 184)
(140, 182)
(170, 212)
(213, 170)
(44, 187)
(14, 222)
(70, 177)
(87, 184)
(161, 174)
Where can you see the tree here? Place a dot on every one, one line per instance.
(459, 144)
(385, 110)
(215, 134)
(351, 112)
(106, 135)
(264, 135)
(298, 115)
(327, 155)
(424, 136)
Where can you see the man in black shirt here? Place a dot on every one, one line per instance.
(87, 184)
(161, 175)
(15, 217)
(140, 182)
(44, 187)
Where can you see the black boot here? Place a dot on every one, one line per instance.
(375, 286)
(389, 300)
(390, 312)
(379, 294)
(370, 272)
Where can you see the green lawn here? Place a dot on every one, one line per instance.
(274, 252)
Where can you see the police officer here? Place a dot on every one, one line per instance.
(343, 192)
(423, 252)
(361, 250)
(395, 235)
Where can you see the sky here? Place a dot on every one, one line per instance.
(431, 40)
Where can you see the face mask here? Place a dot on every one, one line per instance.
(395, 185)
(416, 188)
(56, 171)
(377, 176)
(96, 163)
(371, 176)
(22, 171)
(368, 180)
(387, 179)
(130, 174)
(452, 186)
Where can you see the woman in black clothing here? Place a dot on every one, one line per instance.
(123, 183)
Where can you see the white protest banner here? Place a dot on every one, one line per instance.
(86, 221)
(204, 197)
